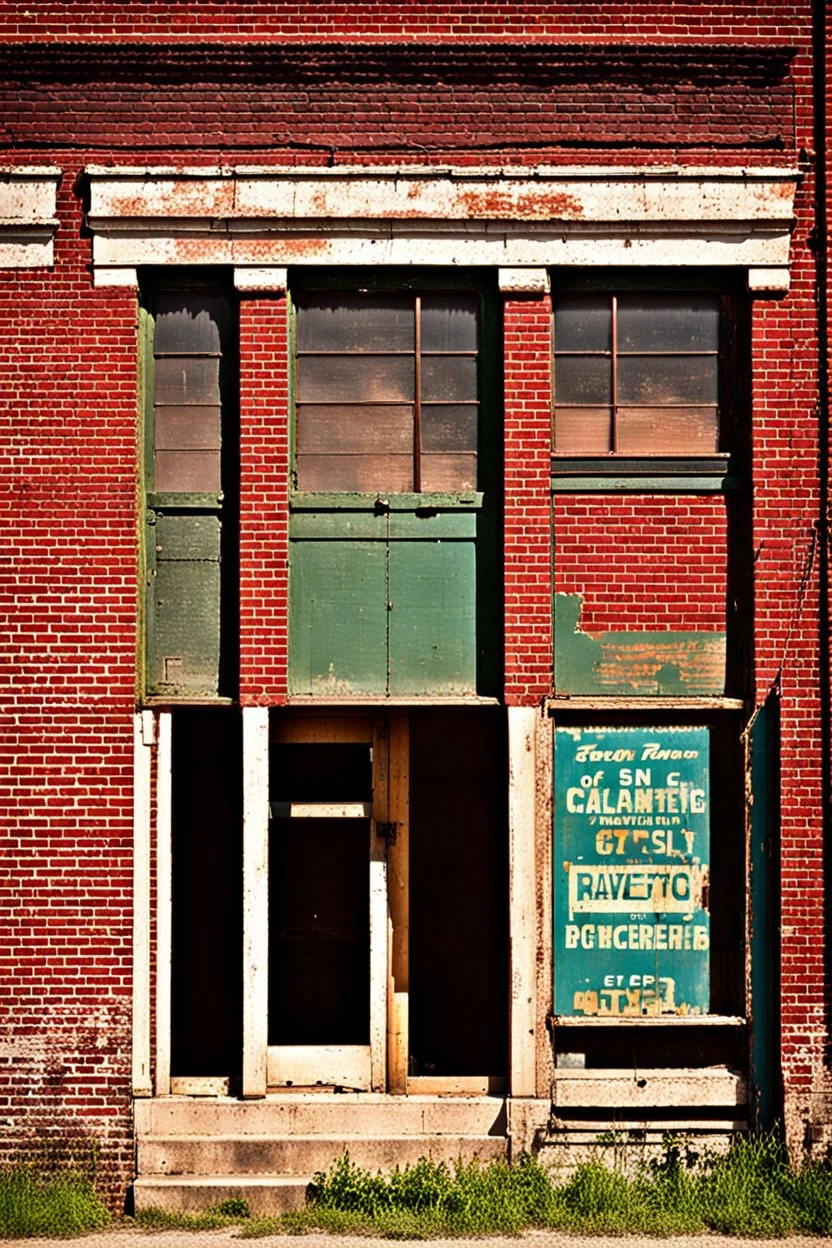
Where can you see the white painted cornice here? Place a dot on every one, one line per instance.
(28, 195)
(272, 217)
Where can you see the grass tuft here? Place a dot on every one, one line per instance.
(58, 1205)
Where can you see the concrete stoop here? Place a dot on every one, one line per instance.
(194, 1153)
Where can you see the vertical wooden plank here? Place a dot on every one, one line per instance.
(379, 931)
(164, 867)
(398, 894)
(142, 739)
(522, 918)
(255, 898)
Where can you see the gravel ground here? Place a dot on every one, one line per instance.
(229, 1238)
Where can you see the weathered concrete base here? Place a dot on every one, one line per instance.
(196, 1152)
(189, 1193)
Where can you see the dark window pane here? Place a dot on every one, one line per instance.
(195, 472)
(449, 322)
(449, 378)
(188, 321)
(583, 430)
(333, 322)
(449, 472)
(355, 379)
(655, 380)
(361, 473)
(583, 323)
(668, 323)
(446, 428)
(187, 428)
(355, 429)
(665, 431)
(583, 379)
(181, 380)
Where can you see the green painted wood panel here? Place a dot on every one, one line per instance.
(183, 657)
(432, 618)
(338, 618)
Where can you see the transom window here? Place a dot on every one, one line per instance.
(636, 374)
(187, 357)
(387, 391)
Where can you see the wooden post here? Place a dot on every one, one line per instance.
(143, 725)
(522, 910)
(255, 898)
(398, 895)
(164, 899)
(379, 936)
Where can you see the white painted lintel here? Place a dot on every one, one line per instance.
(258, 277)
(115, 275)
(524, 281)
(772, 279)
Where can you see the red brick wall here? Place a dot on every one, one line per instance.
(475, 105)
(68, 604)
(68, 490)
(264, 498)
(677, 21)
(527, 347)
(643, 563)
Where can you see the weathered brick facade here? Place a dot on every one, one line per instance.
(720, 85)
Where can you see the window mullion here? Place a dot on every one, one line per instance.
(417, 400)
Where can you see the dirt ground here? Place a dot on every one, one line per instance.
(229, 1238)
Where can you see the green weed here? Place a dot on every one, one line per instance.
(59, 1205)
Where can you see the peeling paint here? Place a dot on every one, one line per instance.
(656, 663)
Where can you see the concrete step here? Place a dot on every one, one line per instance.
(188, 1193)
(302, 1155)
(365, 1114)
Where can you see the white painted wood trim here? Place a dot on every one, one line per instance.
(261, 220)
(522, 897)
(330, 810)
(255, 898)
(141, 908)
(715, 1087)
(378, 962)
(301, 1065)
(164, 901)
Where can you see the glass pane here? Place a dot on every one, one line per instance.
(188, 472)
(449, 472)
(377, 428)
(654, 380)
(583, 323)
(665, 431)
(449, 428)
(355, 379)
(449, 322)
(355, 322)
(583, 430)
(187, 428)
(583, 379)
(187, 321)
(668, 323)
(365, 474)
(187, 379)
(449, 378)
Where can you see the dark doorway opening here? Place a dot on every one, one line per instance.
(207, 893)
(458, 892)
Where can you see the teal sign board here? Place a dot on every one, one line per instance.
(632, 849)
